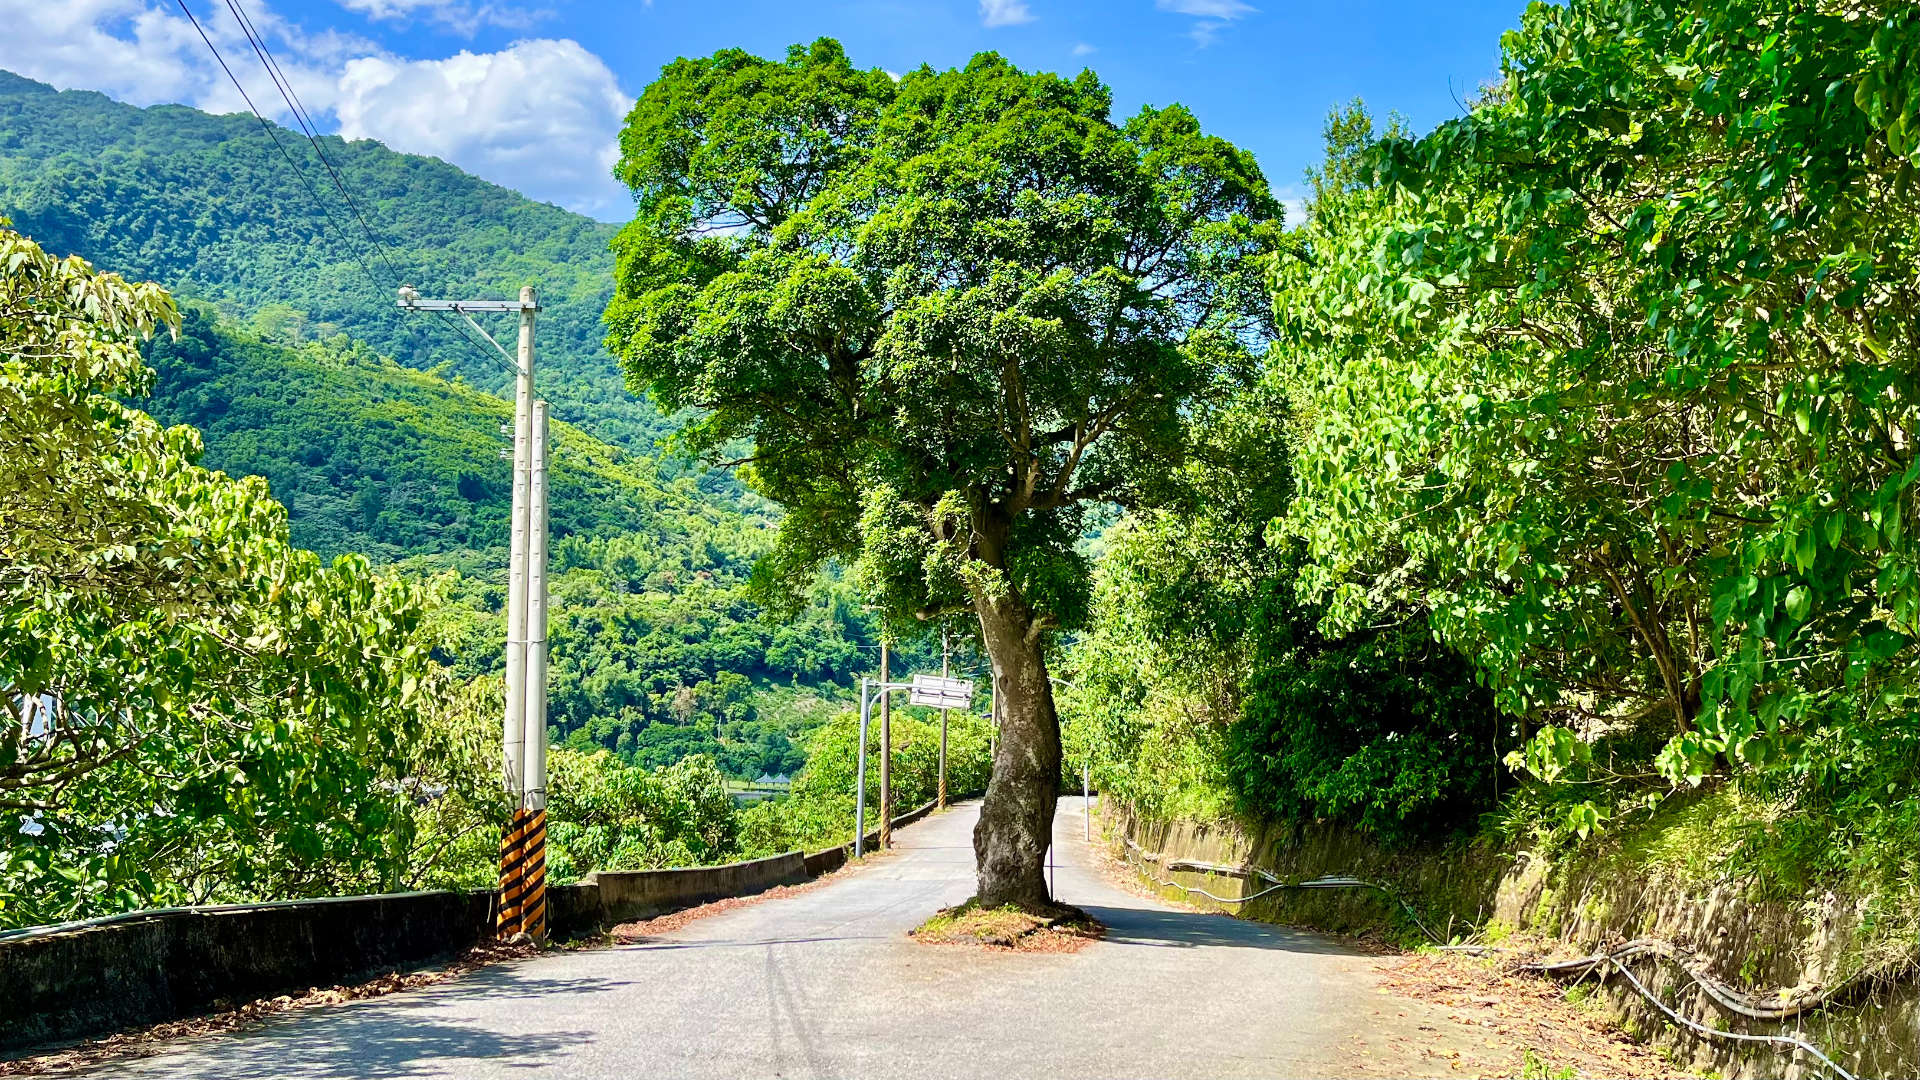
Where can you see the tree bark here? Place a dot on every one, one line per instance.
(1016, 819)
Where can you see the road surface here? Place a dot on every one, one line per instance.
(825, 983)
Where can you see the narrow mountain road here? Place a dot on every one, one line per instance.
(826, 983)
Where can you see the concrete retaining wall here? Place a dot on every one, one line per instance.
(642, 894)
(833, 858)
(1452, 886)
(1589, 905)
(1747, 942)
(109, 974)
(61, 983)
(826, 862)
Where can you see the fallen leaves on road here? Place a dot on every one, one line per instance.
(1528, 1022)
(1063, 930)
(152, 1040)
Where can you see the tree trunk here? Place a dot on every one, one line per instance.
(1016, 819)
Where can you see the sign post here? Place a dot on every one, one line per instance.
(929, 690)
(946, 657)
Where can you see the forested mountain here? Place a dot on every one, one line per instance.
(380, 432)
(369, 456)
(207, 206)
(658, 651)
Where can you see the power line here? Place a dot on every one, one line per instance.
(307, 127)
(304, 119)
(300, 174)
(274, 135)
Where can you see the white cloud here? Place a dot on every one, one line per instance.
(1004, 13)
(465, 16)
(1207, 9)
(1083, 49)
(1211, 16)
(129, 49)
(540, 116)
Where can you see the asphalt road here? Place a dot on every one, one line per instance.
(826, 983)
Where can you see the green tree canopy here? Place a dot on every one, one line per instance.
(1615, 375)
(948, 313)
(188, 700)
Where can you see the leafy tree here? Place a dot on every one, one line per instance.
(949, 313)
(1202, 685)
(189, 700)
(283, 360)
(1615, 374)
(607, 815)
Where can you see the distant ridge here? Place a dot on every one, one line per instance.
(206, 205)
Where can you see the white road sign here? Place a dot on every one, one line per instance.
(932, 690)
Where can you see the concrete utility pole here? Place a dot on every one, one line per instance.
(886, 752)
(860, 776)
(523, 728)
(945, 657)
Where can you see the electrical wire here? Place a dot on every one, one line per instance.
(382, 250)
(268, 127)
(1736, 1036)
(285, 87)
(1587, 963)
(307, 127)
(1276, 884)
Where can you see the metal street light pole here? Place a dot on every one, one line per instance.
(1086, 796)
(1086, 770)
(860, 777)
(886, 751)
(946, 653)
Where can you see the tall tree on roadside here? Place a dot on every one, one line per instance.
(950, 313)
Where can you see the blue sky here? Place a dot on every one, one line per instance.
(531, 95)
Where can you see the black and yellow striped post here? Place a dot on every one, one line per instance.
(513, 858)
(533, 877)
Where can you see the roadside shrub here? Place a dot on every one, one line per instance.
(1386, 731)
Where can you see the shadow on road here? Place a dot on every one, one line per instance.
(1192, 929)
(663, 944)
(393, 1040)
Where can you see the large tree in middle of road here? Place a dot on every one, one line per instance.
(948, 313)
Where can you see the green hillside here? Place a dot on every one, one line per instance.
(658, 652)
(207, 206)
(380, 432)
(374, 457)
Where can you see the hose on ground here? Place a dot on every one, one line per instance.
(1275, 884)
(1696, 1026)
(1723, 995)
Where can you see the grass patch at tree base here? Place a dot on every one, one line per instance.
(1058, 928)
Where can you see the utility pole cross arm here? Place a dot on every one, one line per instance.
(413, 301)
